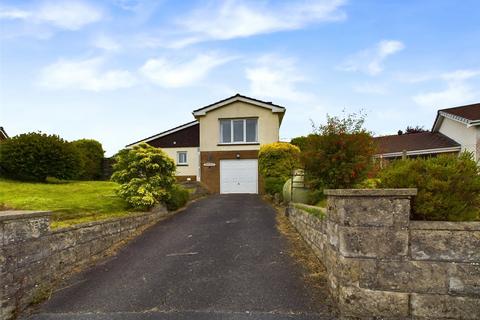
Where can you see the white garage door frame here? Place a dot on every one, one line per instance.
(240, 181)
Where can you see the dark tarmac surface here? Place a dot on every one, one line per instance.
(222, 258)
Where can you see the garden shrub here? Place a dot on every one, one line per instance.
(338, 154)
(36, 156)
(146, 175)
(300, 142)
(370, 183)
(274, 185)
(316, 197)
(448, 186)
(276, 161)
(178, 197)
(91, 156)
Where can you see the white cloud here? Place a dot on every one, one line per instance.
(457, 91)
(460, 75)
(168, 73)
(13, 13)
(69, 15)
(84, 75)
(371, 60)
(276, 77)
(106, 43)
(409, 77)
(234, 19)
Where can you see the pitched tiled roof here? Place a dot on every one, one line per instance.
(469, 115)
(416, 142)
(469, 112)
(190, 139)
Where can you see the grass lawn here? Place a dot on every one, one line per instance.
(73, 202)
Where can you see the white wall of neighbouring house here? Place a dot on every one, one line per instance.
(478, 144)
(268, 126)
(467, 137)
(193, 162)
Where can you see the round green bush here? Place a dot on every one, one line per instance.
(178, 197)
(448, 186)
(91, 156)
(146, 175)
(278, 159)
(36, 156)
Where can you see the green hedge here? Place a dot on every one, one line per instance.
(91, 159)
(448, 186)
(178, 197)
(274, 185)
(36, 156)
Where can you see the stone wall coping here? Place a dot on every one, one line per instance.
(445, 225)
(104, 221)
(371, 192)
(22, 214)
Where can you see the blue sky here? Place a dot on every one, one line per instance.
(120, 70)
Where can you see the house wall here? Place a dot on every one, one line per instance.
(381, 265)
(268, 126)
(478, 143)
(192, 167)
(468, 138)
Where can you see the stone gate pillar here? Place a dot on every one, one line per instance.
(365, 228)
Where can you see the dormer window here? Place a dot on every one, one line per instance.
(235, 131)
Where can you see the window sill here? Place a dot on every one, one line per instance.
(182, 165)
(239, 144)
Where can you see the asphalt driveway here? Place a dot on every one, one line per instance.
(222, 258)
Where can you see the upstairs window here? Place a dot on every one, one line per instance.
(182, 158)
(239, 130)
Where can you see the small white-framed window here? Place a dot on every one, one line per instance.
(236, 131)
(182, 157)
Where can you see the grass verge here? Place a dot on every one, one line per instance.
(313, 210)
(72, 203)
(314, 271)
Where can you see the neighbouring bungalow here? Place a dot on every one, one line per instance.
(3, 134)
(220, 148)
(454, 130)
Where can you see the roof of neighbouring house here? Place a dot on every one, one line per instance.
(3, 134)
(187, 140)
(238, 97)
(415, 144)
(468, 114)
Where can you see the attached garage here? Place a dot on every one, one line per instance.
(239, 176)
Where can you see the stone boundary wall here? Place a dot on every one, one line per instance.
(33, 258)
(381, 265)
